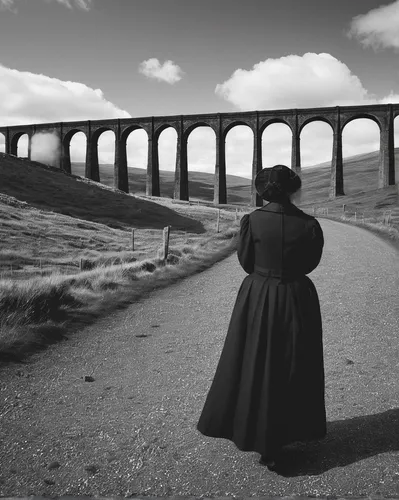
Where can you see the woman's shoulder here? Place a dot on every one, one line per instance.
(310, 219)
(244, 221)
(300, 213)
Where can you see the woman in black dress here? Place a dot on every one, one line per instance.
(268, 389)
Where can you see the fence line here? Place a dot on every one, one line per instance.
(387, 218)
(82, 264)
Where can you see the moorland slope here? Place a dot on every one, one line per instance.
(360, 176)
(48, 188)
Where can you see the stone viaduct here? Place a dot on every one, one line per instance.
(221, 123)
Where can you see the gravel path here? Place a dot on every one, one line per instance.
(132, 430)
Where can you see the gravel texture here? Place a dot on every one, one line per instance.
(112, 411)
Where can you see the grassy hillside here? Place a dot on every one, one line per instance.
(200, 184)
(360, 175)
(48, 188)
(51, 221)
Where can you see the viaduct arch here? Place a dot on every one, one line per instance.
(296, 119)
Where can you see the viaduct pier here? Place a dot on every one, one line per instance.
(296, 119)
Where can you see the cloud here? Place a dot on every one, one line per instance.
(33, 98)
(81, 4)
(379, 28)
(7, 5)
(294, 81)
(168, 72)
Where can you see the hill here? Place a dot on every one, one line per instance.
(48, 188)
(200, 184)
(360, 176)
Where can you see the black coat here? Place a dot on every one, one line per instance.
(268, 389)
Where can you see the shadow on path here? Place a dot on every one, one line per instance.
(347, 441)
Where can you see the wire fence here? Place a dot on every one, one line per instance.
(389, 218)
(42, 266)
(45, 267)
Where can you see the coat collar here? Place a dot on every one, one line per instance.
(279, 207)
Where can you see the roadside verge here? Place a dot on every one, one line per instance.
(44, 311)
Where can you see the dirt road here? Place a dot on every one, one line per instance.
(132, 430)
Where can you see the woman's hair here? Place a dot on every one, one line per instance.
(277, 191)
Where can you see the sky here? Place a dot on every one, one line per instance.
(66, 60)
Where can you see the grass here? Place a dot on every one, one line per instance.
(368, 209)
(42, 310)
(48, 188)
(201, 184)
(388, 231)
(40, 242)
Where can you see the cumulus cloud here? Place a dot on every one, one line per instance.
(378, 28)
(294, 81)
(27, 97)
(168, 72)
(81, 4)
(7, 5)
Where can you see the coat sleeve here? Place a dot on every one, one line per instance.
(245, 250)
(315, 246)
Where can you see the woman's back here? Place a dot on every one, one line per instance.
(280, 239)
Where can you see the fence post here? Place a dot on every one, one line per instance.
(81, 264)
(218, 221)
(327, 210)
(166, 235)
(132, 240)
(343, 208)
(236, 215)
(355, 215)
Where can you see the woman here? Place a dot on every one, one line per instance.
(268, 389)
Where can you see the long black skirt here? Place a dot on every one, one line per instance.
(268, 389)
